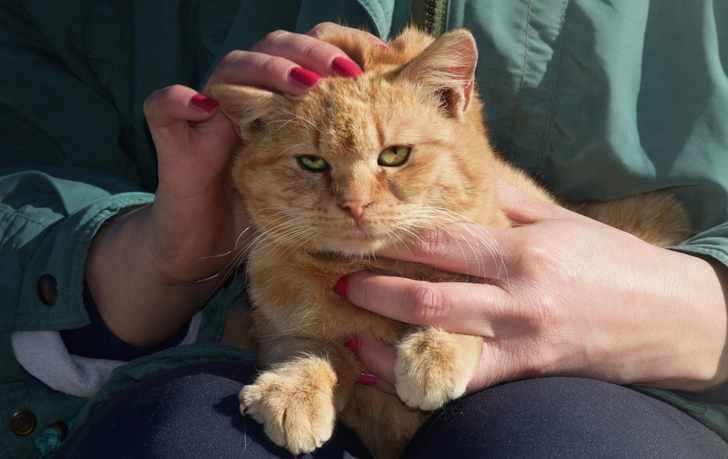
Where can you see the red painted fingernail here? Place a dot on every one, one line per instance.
(344, 67)
(341, 285)
(304, 77)
(204, 103)
(383, 47)
(352, 343)
(368, 379)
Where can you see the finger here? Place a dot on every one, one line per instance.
(309, 52)
(473, 309)
(472, 250)
(385, 387)
(177, 103)
(259, 69)
(378, 357)
(499, 364)
(521, 207)
(325, 28)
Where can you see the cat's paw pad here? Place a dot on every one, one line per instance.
(295, 414)
(434, 367)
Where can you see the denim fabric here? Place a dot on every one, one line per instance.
(564, 418)
(192, 412)
(189, 412)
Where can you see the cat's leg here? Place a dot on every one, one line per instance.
(382, 421)
(297, 399)
(434, 366)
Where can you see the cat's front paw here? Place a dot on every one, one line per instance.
(434, 367)
(294, 403)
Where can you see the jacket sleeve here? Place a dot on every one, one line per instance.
(48, 218)
(712, 243)
(64, 170)
(602, 100)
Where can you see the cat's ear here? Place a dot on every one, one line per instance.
(245, 105)
(446, 69)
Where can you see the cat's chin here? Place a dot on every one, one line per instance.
(357, 244)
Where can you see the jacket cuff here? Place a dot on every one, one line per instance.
(712, 243)
(51, 291)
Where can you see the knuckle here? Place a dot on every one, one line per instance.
(535, 256)
(427, 302)
(320, 28)
(543, 319)
(230, 58)
(542, 316)
(437, 242)
(312, 49)
(268, 65)
(151, 98)
(271, 39)
(160, 97)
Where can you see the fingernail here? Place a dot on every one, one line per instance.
(352, 343)
(383, 47)
(367, 379)
(204, 103)
(341, 285)
(344, 67)
(304, 77)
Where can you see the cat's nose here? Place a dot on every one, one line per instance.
(355, 207)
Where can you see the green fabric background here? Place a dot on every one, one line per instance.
(597, 99)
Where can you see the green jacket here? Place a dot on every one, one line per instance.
(597, 99)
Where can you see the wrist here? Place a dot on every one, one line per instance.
(717, 289)
(138, 302)
(701, 329)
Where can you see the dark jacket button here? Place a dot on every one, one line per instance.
(22, 423)
(47, 289)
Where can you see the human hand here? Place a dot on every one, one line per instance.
(559, 294)
(176, 252)
(289, 62)
(147, 269)
(194, 144)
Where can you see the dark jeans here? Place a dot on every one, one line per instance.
(192, 412)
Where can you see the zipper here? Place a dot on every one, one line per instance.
(430, 11)
(429, 15)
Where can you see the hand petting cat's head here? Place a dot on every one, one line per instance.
(357, 164)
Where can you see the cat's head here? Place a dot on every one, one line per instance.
(357, 164)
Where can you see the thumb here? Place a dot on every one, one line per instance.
(173, 114)
(177, 103)
(523, 208)
(193, 138)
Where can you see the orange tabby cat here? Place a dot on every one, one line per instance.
(331, 177)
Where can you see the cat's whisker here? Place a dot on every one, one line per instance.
(278, 222)
(242, 233)
(415, 236)
(289, 234)
(299, 146)
(234, 263)
(462, 221)
(427, 219)
(237, 241)
(489, 243)
(451, 217)
(301, 120)
(218, 255)
(230, 267)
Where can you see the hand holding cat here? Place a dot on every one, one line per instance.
(559, 294)
(196, 226)
(161, 251)
(289, 62)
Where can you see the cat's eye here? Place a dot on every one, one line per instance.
(393, 156)
(313, 163)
